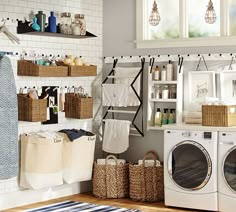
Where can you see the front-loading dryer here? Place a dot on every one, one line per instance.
(190, 169)
(227, 171)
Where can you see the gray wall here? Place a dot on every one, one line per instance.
(119, 33)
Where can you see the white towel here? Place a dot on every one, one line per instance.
(115, 95)
(130, 73)
(116, 136)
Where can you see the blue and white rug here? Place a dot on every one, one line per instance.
(72, 206)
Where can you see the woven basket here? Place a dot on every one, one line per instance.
(28, 68)
(77, 107)
(111, 181)
(31, 110)
(82, 71)
(219, 115)
(146, 183)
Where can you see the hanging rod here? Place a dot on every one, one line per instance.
(175, 58)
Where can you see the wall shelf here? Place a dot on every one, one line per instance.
(24, 28)
(164, 82)
(163, 100)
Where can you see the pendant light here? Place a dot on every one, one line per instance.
(154, 18)
(210, 16)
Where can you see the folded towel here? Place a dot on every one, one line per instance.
(130, 73)
(189, 120)
(149, 163)
(110, 161)
(116, 136)
(115, 95)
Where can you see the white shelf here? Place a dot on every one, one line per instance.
(163, 100)
(192, 127)
(164, 82)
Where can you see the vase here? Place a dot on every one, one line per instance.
(52, 23)
(35, 26)
(41, 20)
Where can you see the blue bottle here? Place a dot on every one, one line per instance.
(52, 23)
(35, 26)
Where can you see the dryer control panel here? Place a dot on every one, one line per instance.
(207, 135)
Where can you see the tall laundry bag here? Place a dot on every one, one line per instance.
(41, 162)
(78, 157)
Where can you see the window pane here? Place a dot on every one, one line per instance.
(196, 18)
(169, 23)
(232, 17)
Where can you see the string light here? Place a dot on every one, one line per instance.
(154, 18)
(210, 16)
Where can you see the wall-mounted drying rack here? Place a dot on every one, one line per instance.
(110, 109)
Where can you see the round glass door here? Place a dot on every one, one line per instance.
(190, 165)
(229, 168)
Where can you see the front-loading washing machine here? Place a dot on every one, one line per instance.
(227, 171)
(190, 169)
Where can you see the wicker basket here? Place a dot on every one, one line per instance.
(28, 68)
(146, 183)
(82, 71)
(77, 107)
(111, 181)
(31, 110)
(219, 115)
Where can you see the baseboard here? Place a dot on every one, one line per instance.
(26, 197)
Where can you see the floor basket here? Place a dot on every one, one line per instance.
(111, 181)
(146, 183)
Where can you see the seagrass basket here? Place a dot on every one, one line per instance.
(111, 181)
(146, 184)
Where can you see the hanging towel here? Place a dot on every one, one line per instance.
(115, 95)
(130, 73)
(8, 121)
(116, 136)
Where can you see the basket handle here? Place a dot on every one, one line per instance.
(150, 154)
(113, 157)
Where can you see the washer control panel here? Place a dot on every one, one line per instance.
(207, 135)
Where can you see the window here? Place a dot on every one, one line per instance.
(182, 24)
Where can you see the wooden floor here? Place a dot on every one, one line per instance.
(126, 203)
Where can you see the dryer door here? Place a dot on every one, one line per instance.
(229, 169)
(189, 165)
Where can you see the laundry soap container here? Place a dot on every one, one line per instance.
(78, 157)
(41, 161)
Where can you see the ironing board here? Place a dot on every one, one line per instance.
(8, 121)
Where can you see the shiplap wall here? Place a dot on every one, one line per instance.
(89, 49)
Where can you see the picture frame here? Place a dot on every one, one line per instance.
(201, 85)
(228, 86)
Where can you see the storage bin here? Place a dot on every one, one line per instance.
(41, 162)
(82, 71)
(28, 68)
(31, 110)
(77, 107)
(78, 158)
(146, 183)
(111, 181)
(219, 115)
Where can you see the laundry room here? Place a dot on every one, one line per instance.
(113, 105)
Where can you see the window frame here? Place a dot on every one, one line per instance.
(223, 40)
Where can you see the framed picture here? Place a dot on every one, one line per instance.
(228, 86)
(201, 85)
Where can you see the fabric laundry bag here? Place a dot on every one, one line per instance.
(111, 180)
(41, 161)
(78, 158)
(146, 181)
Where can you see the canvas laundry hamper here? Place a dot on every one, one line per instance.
(111, 181)
(78, 158)
(146, 183)
(41, 162)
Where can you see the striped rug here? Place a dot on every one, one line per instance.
(72, 206)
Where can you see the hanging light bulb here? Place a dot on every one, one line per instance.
(210, 16)
(154, 18)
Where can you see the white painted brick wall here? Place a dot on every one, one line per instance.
(90, 49)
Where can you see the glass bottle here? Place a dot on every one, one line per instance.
(171, 118)
(172, 92)
(156, 74)
(158, 117)
(66, 22)
(165, 117)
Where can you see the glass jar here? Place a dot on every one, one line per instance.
(165, 92)
(66, 24)
(79, 25)
(157, 92)
(172, 92)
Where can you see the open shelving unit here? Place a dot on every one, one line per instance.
(176, 104)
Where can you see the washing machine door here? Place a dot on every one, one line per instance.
(229, 169)
(189, 165)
